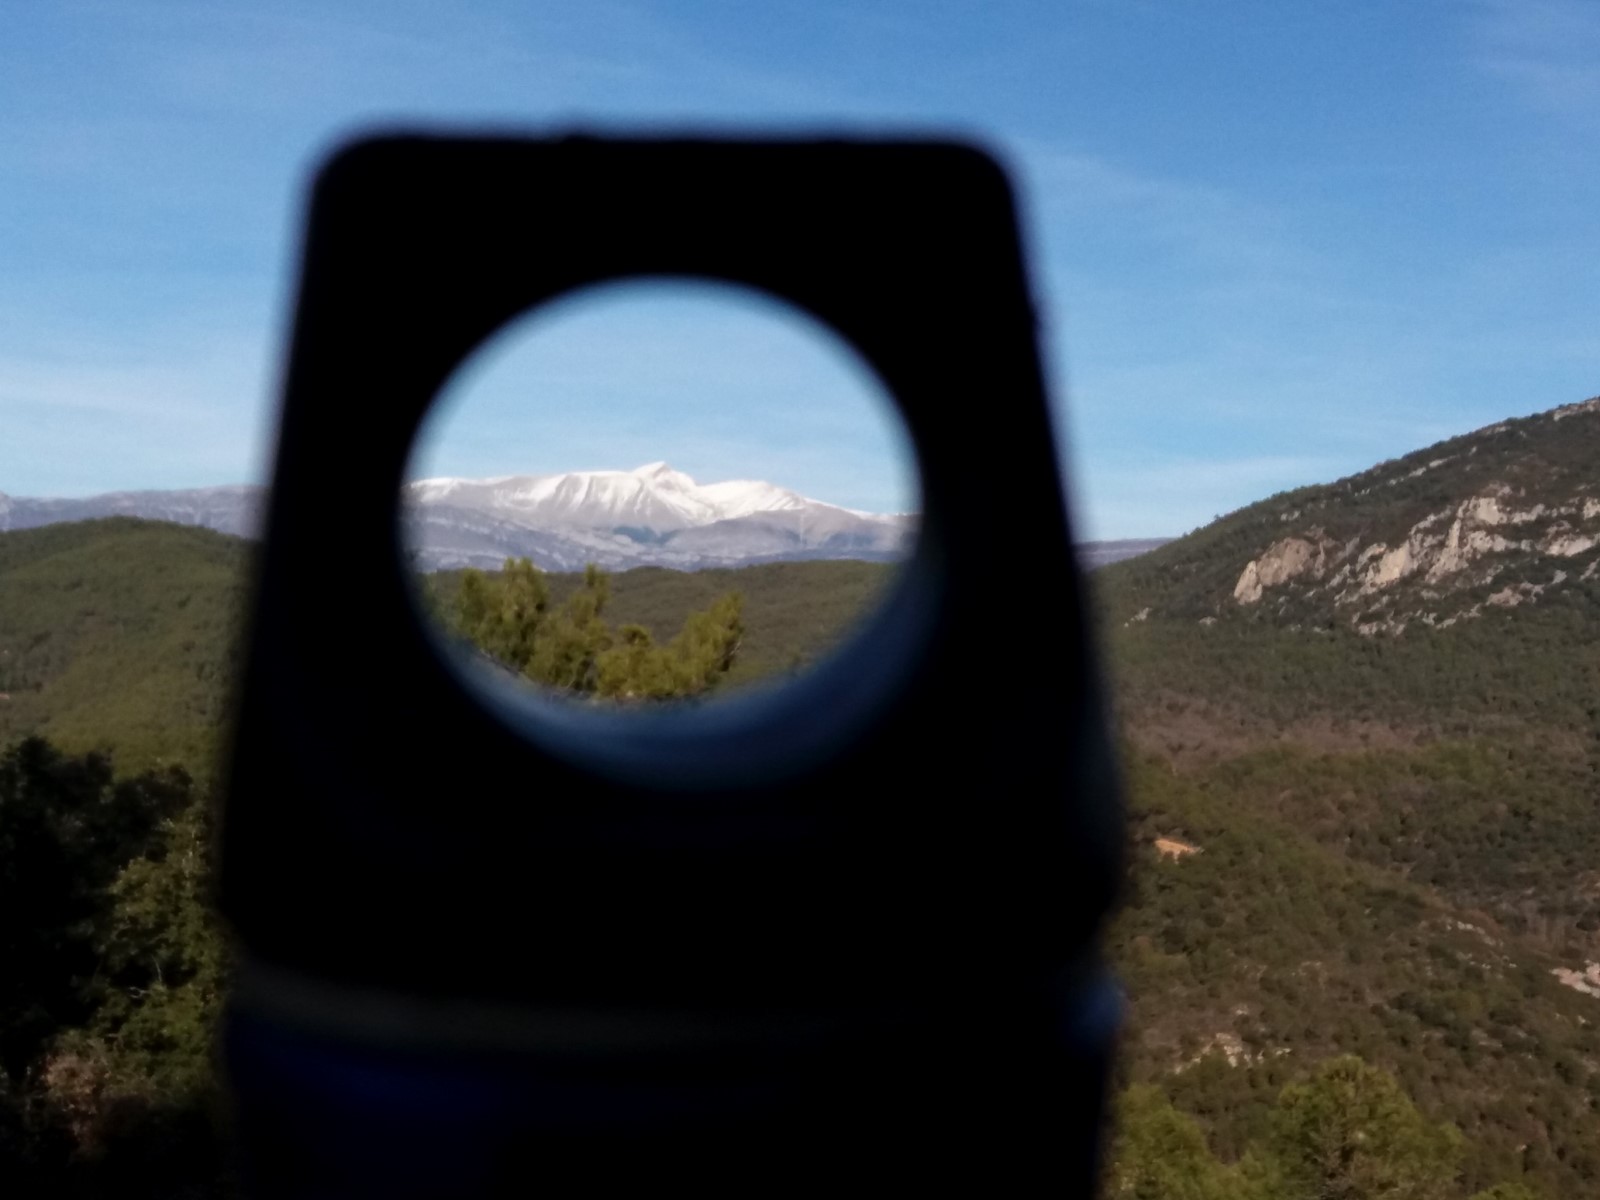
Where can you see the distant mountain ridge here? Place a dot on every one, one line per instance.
(650, 516)
(235, 508)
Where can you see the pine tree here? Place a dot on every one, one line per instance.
(571, 649)
(1351, 1133)
(1159, 1153)
(66, 830)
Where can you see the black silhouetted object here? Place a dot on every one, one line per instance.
(837, 938)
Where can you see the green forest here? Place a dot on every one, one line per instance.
(1356, 866)
(570, 647)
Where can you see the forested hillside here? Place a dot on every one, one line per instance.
(1363, 730)
(792, 612)
(119, 633)
(1504, 516)
(1365, 876)
(116, 661)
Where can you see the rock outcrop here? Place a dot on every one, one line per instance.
(1287, 559)
(1490, 520)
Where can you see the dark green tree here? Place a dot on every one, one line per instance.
(1158, 1153)
(1351, 1133)
(104, 1042)
(136, 1085)
(569, 647)
(66, 831)
(165, 962)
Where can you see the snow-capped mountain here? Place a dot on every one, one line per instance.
(652, 515)
(651, 497)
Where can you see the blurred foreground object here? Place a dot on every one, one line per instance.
(839, 934)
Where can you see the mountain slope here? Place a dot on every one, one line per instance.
(1250, 952)
(1364, 728)
(1414, 878)
(1451, 590)
(1503, 516)
(118, 632)
(1493, 710)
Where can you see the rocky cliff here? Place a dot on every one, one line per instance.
(1505, 516)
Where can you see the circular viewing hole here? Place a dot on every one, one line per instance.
(657, 491)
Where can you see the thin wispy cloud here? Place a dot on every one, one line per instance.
(1549, 51)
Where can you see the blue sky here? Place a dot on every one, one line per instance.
(1273, 242)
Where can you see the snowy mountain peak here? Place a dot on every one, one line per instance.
(660, 475)
(741, 497)
(652, 497)
(657, 470)
(652, 513)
